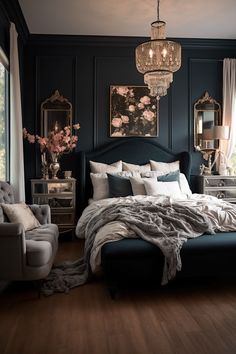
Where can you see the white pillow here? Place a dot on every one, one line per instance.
(100, 185)
(98, 167)
(128, 174)
(153, 187)
(21, 213)
(164, 167)
(152, 174)
(137, 185)
(139, 168)
(184, 186)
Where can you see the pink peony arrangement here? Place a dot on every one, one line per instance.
(56, 143)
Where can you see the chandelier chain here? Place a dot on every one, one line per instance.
(158, 10)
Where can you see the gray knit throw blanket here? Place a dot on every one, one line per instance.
(166, 226)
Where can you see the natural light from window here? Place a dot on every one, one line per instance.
(232, 160)
(3, 124)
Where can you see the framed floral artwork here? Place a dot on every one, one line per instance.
(133, 112)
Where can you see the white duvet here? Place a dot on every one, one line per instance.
(221, 213)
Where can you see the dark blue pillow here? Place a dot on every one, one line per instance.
(119, 186)
(169, 177)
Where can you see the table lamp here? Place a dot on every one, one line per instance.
(221, 132)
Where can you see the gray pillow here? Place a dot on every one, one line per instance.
(169, 177)
(119, 186)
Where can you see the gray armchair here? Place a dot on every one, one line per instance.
(26, 255)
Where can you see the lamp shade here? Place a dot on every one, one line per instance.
(221, 132)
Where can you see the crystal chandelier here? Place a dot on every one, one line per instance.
(158, 59)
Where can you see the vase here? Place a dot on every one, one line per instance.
(54, 166)
(44, 166)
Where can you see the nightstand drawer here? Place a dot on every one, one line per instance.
(222, 193)
(221, 187)
(219, 181)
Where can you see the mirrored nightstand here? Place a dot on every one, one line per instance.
(59, 194)
(222, 187)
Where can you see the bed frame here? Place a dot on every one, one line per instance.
(132, 150)
(136, 260)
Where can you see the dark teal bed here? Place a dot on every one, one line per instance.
(136, 260)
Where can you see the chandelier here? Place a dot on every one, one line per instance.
(158, 59)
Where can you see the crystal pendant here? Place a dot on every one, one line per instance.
(158, 59)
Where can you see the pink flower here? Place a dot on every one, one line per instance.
(56, 142)
(31, 138)
(131, 108)
(140, 105)
(116, 122)
(25, 133)
(131, 93)
(148, 115)
(125, 119)
(117, 134)
(76, 126)
(122, 90)
(145, 100)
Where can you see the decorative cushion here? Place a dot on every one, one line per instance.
(138, 187)
(139, 168)
(184, 186)
(98, 167)
(169, 177)
(164, 167)
(153, 187)
(21, 213)
(100, 185)
(119, 186)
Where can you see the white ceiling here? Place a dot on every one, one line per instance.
(184, 18)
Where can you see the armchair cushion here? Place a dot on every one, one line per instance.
(21, 213)
(42, 213)
(38, 253)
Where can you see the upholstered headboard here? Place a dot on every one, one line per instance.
(132, 150)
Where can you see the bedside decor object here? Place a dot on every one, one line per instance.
(133, 112)
(67, 174)
(54, 146)
(44, 162)
(158, 59)
(54, 166)
(220, 133)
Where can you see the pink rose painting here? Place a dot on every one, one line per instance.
(133, 112)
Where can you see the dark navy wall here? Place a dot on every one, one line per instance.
(83, 68)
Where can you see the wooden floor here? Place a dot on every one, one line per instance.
(196, 317)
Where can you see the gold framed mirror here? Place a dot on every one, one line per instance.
(56, 113)
(207, 115)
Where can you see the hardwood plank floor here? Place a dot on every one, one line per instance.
(184, 317)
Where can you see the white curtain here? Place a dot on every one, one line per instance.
(229, 106)
(17, 177)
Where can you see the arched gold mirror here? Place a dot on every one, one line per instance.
(56, 113)
(207, 115)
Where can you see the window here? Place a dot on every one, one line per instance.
(232, 161)
(4, 119)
